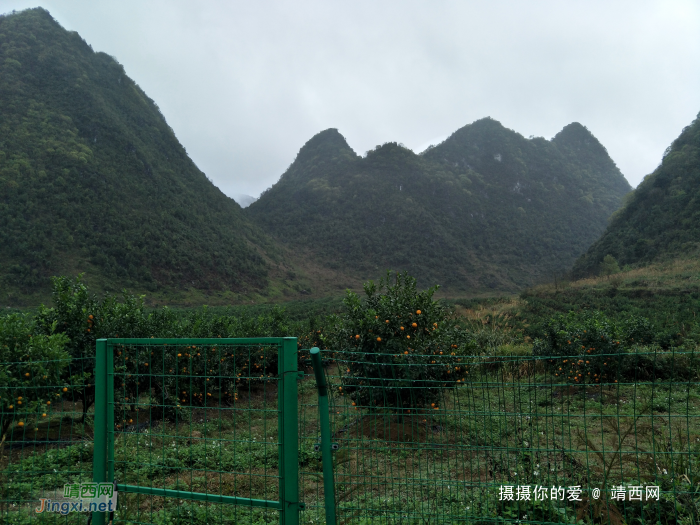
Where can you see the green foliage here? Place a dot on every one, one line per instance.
(589, 347)
(660, 219)
(92, 177)
(206, 375)
(196, 365)
(671, 306)
(84, 318)
(296, 310)
(203, 322)
(53, 466)
(399, 345)
(31, 366)
(609, 266)
(487, 209)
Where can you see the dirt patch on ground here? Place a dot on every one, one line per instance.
(415, 428)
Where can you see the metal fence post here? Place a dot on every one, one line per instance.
(109, 407)
(324, 420)
(289, 464)
(99, 459)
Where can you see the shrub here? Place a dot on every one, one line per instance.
(398, 346)
(192, 375)
(31, 366)
(651, 364)
(84, 318)
(588, 347)
(609, 266)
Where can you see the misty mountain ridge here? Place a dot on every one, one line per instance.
(485, 209)
(244, 200)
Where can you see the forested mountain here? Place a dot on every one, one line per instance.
(93, 178)
(91, 175)
(485, 209)
(661, 217)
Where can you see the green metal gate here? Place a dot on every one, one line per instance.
(183, 426)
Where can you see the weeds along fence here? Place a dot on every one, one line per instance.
(229, 431)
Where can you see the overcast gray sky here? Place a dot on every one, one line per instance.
(245, 84)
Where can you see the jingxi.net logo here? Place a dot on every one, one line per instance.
(82, 497)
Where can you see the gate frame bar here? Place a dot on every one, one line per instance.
(288, 426)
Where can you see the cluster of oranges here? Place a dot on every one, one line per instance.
(583, 353)
(20, 401)
(401, 328)
(579, 370)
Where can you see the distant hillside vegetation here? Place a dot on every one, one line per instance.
(486, 209)
(91, 175)
(661, 218)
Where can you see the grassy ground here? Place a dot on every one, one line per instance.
(515, 427)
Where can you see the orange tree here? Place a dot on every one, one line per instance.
(190, 375)
(216, 372)
(84, 318)
(590, 348)
(398, 347)
(31, 366)
(158, 371)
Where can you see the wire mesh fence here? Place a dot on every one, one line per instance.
(46, 436)
(443, 438)
(191, 431)
(533, 439)
(198, 429)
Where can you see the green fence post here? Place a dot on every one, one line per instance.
(99, 458)
(109, 406)
(328, 482)
(289, 461)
